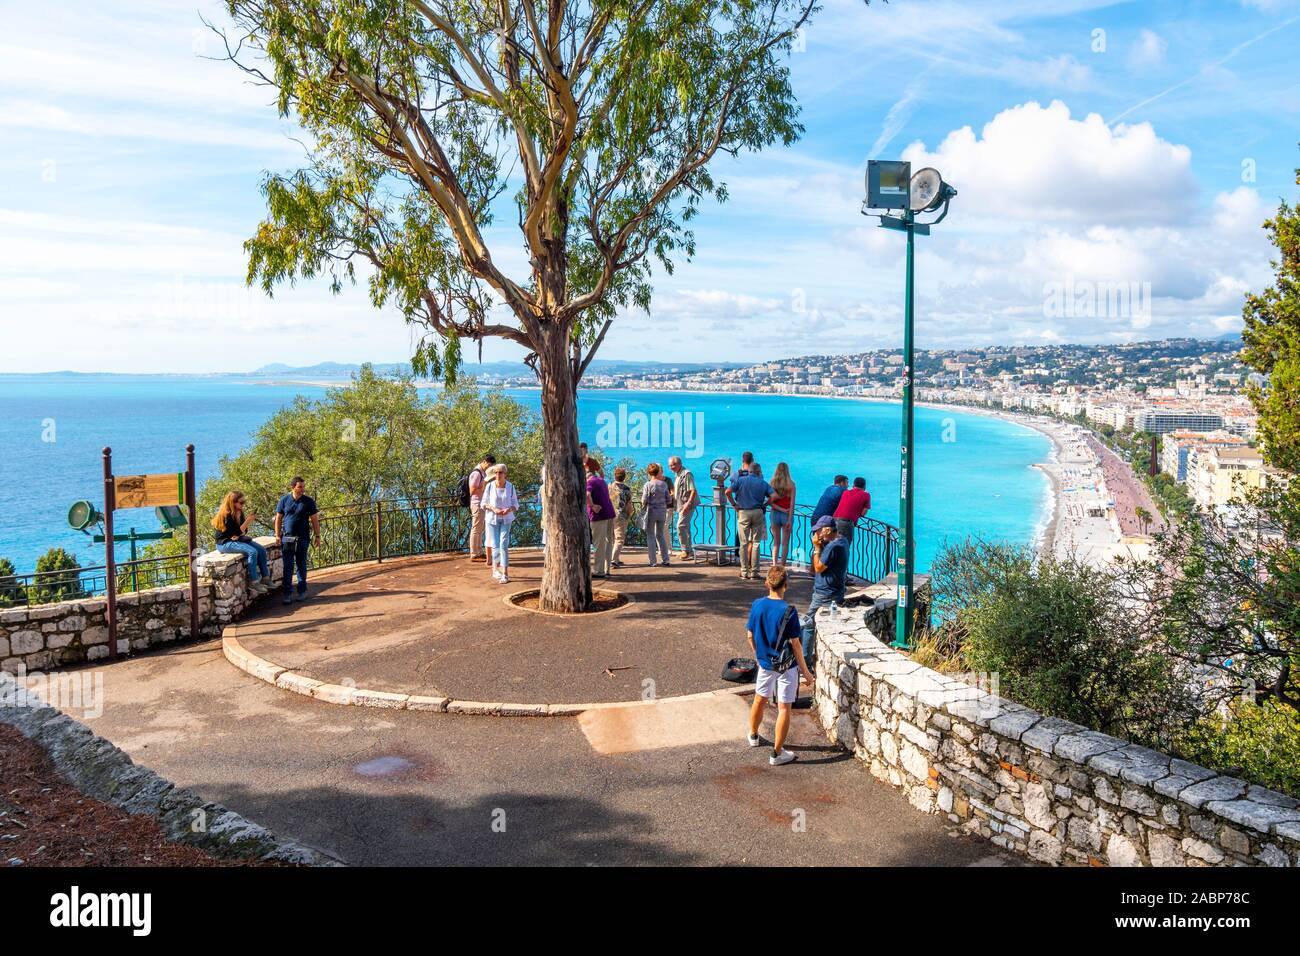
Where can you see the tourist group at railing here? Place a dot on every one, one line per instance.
(748, 519)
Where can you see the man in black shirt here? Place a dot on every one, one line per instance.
(296, 514)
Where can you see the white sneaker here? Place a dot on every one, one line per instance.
(755, 740)
(504, 579)
(785, 756)
(496, 576)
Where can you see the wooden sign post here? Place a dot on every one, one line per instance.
(147, 491)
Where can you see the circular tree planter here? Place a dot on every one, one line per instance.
(603, 600)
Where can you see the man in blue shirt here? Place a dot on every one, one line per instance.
(749, 494)
(773, 624)
(296, 514)
(830, 562)
(830, 499)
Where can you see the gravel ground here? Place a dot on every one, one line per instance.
(45, 821)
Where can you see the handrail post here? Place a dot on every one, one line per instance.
(379, 529)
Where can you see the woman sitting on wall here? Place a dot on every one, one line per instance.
(232, 522)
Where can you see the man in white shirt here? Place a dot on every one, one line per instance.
(687, 498)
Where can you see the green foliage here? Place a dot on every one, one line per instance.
(60, 578)
(377, 438)
(1272, 343)
(1229, 597)
(10, 590)
(607, 112)
(1260, 742)
(1062, 637)
(600, 117)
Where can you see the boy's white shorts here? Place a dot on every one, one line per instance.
(781, 687)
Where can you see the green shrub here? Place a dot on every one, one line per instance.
(1260, 742)
(10, 589)
(1062, 637)
(61, 578)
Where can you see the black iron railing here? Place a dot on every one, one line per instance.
(49, 587)
(378, 530)
(393, 529)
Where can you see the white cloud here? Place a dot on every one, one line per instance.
(1148, 51)
(1040, 164)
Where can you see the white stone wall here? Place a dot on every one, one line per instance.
(48, 636)
(1053, 790)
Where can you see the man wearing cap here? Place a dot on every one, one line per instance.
(830, 561)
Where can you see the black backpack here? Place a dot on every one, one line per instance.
(462, 490)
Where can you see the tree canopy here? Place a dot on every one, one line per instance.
(593, 121)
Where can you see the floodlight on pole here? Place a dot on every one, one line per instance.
(891, 185)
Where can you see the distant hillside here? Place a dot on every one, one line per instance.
(341, 370)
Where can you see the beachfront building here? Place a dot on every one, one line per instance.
(1178, 450)
(1222, 474)
(1107, 413)
(1161, 420)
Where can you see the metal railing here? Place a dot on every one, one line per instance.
(71, 584)
(398, 528)
(393, 529)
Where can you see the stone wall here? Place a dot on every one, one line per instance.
(1053, 790)
(49, 636)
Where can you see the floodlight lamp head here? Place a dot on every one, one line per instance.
(928, 191)
(170, 517)
(887, 184)
(82, 515)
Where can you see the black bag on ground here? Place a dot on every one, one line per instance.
(740, 670)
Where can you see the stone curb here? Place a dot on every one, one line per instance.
(100, 770)
(285, 679)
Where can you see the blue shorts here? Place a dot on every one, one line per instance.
(780, 518)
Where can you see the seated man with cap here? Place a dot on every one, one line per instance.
(830, 560)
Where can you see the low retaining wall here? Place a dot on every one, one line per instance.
(1045, 787)
(102, 771)
(48, 636)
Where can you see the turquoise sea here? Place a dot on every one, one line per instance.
(974, 474)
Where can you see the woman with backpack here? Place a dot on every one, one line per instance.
(620, 495)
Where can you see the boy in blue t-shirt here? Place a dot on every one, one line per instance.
(772, 624)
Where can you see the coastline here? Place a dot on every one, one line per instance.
(1046, 535)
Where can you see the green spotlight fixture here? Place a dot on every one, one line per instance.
(82, 515)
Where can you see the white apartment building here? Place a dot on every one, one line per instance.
(1178, 450)
(1222, 474)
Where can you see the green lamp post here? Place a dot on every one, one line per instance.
(900, 196)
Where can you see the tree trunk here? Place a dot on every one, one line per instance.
(566, 580)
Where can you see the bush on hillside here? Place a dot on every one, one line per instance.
(60, 578)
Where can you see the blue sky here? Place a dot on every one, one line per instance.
(1094, 146)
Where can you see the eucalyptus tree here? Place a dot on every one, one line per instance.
(593, 122)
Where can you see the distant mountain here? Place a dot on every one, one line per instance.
(342, 370)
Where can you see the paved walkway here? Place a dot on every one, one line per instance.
(442, 628)
(396, 787)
